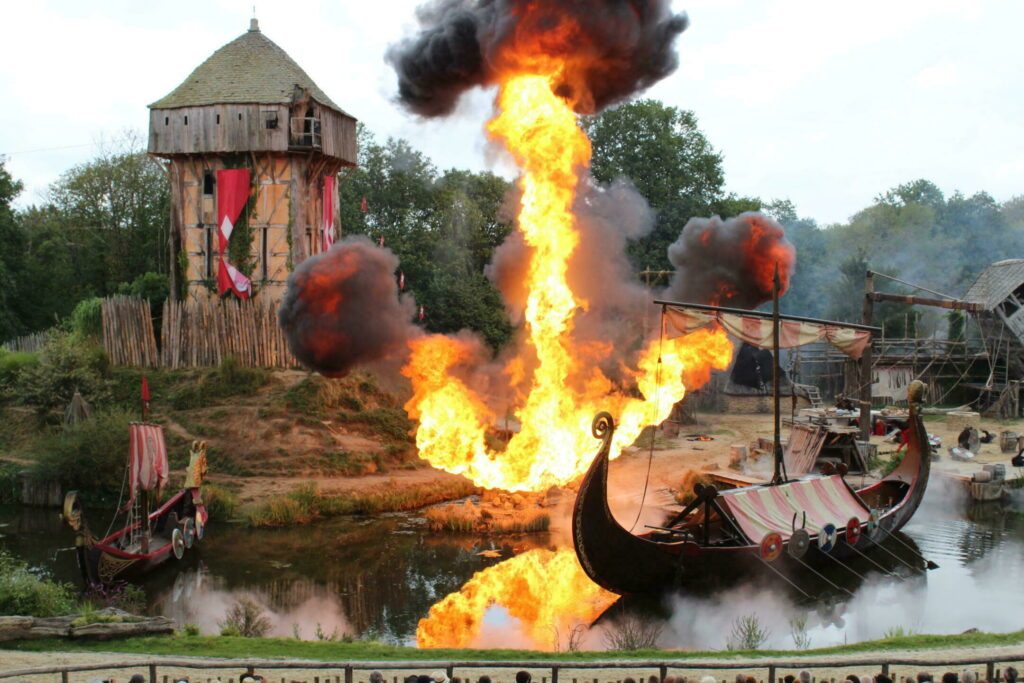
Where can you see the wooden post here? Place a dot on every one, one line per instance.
(348, 674)
(554, 674)
(64, 676)
(885, 669)
(990, 671)
(662, 673)
(867, 318)
(771, 673)
(152, 673)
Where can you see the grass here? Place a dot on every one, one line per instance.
(221, 502)
(289, 648)
(463, 520)
(306, 503)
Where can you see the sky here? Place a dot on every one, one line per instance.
(827, 104)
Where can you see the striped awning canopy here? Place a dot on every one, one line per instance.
(758, 331)
(760, 510)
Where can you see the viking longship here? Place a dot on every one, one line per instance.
(145, 538)
(787, 525)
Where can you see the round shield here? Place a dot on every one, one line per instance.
(188, 530)
(799, 542)
(771, 547)
(827, 538)
(853, 531)
(177, 543)
(872, 521)
(201, 516)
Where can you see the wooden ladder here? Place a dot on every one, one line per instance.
(813, 395)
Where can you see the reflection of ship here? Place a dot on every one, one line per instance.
(789, 523)
(146, 539)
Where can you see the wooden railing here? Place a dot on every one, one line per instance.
(357, 671)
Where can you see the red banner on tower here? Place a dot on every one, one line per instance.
(232, 194)
(328, 221)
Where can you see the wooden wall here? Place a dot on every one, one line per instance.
(233, 128)
(279, 179)
(241, 128)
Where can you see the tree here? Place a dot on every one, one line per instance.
(661, 150)
(443, 228)
(12, 258)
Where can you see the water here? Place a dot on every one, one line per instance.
(379, 577)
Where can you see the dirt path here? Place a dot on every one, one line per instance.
(839, 665)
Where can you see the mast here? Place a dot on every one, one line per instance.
(779, 475)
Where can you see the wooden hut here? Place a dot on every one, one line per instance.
(249, 105)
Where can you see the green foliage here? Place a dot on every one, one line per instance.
(10, 483)
(89, 456)
(747, 633)
(228, 379)
(389, 422)
(24, 593)
(190, 630)
(66, 365)
(153, 287)
(444, 228)
(87, 319)
(246, 619)
(12, 363)
(221, 503)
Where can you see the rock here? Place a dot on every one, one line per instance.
(486, 514)
(518, 501)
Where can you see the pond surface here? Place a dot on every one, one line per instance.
(379, 577)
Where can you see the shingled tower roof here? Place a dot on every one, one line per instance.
(251, 69)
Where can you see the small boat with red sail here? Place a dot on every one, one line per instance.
(146, 537)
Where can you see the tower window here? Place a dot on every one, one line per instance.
(167, 120)
(186, 120)
(239, 116)
(208, 182)
(218, 119)
(270, 119)
(208, 264)
(265, 253)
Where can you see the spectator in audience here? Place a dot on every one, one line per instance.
(627, 679)
(853, 678)
(439, 677)
(968, 676)
(924, 677)
(749, 679)
(949, 677)
(484, 679)
(789, 678)
(653, 679)
(525, 677)
(805, 676)
(1010, 675)
(411, 678)
(740, 678)
(376, 677)
(137, 678)
(456, 679)
(423, 678)
(866, 679)
(882, 678)
(708, 679)
(670, 679)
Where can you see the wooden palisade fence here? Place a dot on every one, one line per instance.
(30, 343)
(204, 333)
(128, 335)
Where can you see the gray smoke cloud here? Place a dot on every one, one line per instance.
(729, 262)
(342, 308)
(611, 48)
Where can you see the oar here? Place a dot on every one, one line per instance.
(880, 567)
(891, 553)
(928, 563)
(822, 576)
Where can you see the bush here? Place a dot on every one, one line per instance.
(245, 618)
(66, 365)
(25, 594)
(152, 287)
(86, 319)
(228, 379)
(13, 362)
(89, 456)
(221, 503)
(633, 632)
(391, 422)
(747, 633)
(120, 595)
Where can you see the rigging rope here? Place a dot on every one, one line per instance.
(657, 411)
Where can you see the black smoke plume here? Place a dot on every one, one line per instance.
(730, 262)
(342, 308)
(610, 49)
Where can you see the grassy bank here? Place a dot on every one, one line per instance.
(307, 504)
(280, 648)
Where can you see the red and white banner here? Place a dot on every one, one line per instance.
(758, 331)
(147, 458)
(232, 194)
(328, 220)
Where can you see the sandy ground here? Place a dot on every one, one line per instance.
(907, 663)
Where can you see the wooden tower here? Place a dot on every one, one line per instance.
(249, 105)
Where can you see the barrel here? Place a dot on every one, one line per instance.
(1008, 441)
(958, 419)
